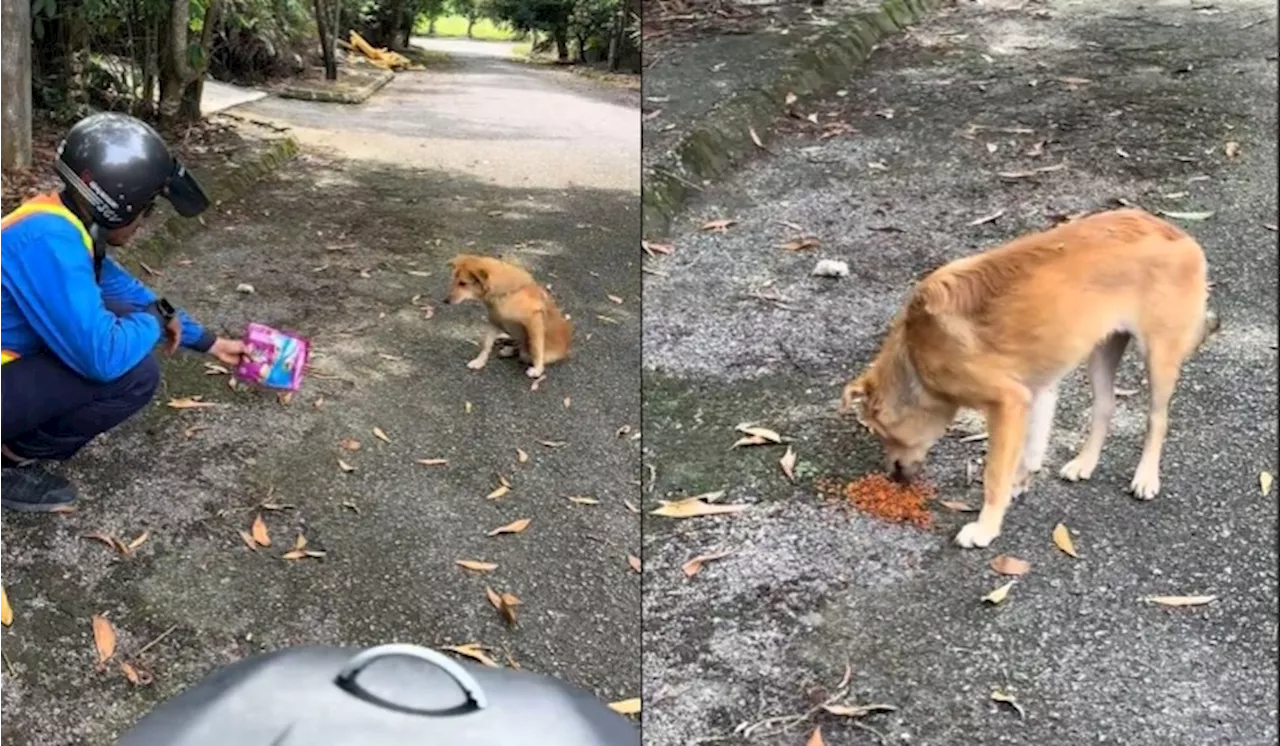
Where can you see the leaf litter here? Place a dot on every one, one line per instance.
(6, 611)
(477, 565)
(515, 527)
(696, 506)
(1005, 564)
(998, 596)
(104, 638)
(1008, 699)
(505, 603)
(474, 651)
(695, 565)
(1062, 540)
(1180, 600)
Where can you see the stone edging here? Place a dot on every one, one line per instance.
(721, 140)
(351, 96)
(163, 240)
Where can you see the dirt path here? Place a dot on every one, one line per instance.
(769, 630)
(348, 246)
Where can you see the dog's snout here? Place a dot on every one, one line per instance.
(898, 473)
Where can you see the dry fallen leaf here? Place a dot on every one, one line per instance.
(857, 711)
(521, 456)
(694, 507)
(1005, 564)
(581, 500)
(190, 402)
(501, 490)
(1062, 540)
(999, 696)
(514, 527)
(349, 444)
(998, 595)
(749, 440)
(377, 433)
(987, 218)
(140, 540)
(1180, 600)
(568, 402)
(694, 566)
(348, 468)
(718, 225)
(132, 675)
(259, 533)
(474, 651)
(1265, 481)
(477, 565)
(1191, 216)
(747, 428)
(788, 464)
(433, 461)
(294, 554)
(614, 298)
(104, 638)
(815, 738)
(756, 138)
(631, 506)
(626, 706)
(109, 540)
(958, 506)
(505, 603)
(6, 611)
(247, 538)
(801, 244)
(553, 443)
(634, 562)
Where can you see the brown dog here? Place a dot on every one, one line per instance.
(998, 330)
(519, 308)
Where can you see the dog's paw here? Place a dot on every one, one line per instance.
(507, 351)
(535, 371)
(1145, 486)
(1077, 469)
(1034, 464)
(477, 364)
(976, 536)
(1022, 485)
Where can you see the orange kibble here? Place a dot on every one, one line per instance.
(883, 498)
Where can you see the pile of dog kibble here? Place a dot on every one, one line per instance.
(883, 498)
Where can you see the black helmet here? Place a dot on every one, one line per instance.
(119, 165)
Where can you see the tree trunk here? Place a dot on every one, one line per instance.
(326, 41)
(395, 20)
(193, 93)
(582, 49)
(176, 70)
(431, 27)
(616, 38)
(471, 22)
(15, 83)
(561, 35)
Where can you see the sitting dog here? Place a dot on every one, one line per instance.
(519, 309)
(998, 330)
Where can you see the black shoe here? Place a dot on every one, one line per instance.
(32, 489)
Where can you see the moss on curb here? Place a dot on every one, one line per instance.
(157, 247)
(721, 140)
(339, 94)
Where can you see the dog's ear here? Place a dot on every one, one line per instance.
(481, 276)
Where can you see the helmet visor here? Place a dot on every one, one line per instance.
(184, 192)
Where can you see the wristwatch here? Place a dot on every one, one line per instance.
(166, 310)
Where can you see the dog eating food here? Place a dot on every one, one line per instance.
(881, 497)
(520, 310)
(998, 330)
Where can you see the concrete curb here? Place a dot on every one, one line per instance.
(352, 96)
(721, 141)
(160, 244)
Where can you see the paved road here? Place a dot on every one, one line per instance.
(809, 589)
(348, 246)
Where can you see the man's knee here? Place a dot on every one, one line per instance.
(141, 382)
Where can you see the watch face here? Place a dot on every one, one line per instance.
(166, 309)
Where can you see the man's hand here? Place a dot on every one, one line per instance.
(172, 335)
(229, 351)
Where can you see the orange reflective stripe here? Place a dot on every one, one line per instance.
(48, 204)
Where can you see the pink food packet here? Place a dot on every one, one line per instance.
(272, 358)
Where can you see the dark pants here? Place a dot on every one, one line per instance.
(50, 412)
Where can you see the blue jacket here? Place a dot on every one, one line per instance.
(49, 299)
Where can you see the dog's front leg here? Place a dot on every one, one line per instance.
(1007, 423)
(486, 347)
(536, 334)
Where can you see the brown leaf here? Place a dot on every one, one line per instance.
(190, 402)
(343, 465)
(294, 554)
(247, 538)
(477, 565)
(626, 706)
(500, 491)
(109, 540)
(694, 507)
(1180, 600)
(350, 444)
(433, 461)
(694, 566)
(759, 432)
(1062, 540)
(474, 651)
(857, 711)
(815, 738)
(133, 676)
(377, 433)
(581, 500)
(718, 225)
(749, 440)
(1005, 564)
(259, 532)
(514, 527)
(634, 562)
(788, 464)
(521, 456)
(998, 595)
(756, 138)
(104, 638)
(657, 248)
(140, 540)
(6, 611)
(958, 506)
(801, 244)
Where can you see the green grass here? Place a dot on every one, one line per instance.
(456, 27)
